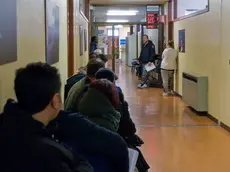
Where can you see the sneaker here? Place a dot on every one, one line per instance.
(165, 94)
(144, 86)
(139, 86)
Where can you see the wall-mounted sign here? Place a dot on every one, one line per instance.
(152, 19)
(122, 41)
(181, 40)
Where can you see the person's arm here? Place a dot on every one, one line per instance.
(92, 48)
(152, 52)
(126, 126)
(56, 157)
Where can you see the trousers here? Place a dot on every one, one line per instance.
(167, 78)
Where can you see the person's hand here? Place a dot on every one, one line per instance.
(149, 64)
(138, 62)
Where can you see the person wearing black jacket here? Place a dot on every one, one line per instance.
(146, 57)
(105, 150)
(26, 143)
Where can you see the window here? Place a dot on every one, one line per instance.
(186, 8)
(116, 32)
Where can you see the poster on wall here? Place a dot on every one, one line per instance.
(103, 40)
(52, 32)
(181, 41)
(85, 39)
(81, 40)
(8, 31)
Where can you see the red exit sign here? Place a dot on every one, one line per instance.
(152, 20)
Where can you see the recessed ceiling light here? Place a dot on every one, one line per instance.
(116, 26)
(117, 21)
(121, 13)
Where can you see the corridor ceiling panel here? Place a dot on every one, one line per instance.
(126, 2)
(101, 11)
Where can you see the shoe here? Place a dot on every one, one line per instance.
(165, 94)
(139, 86)
(144, 86)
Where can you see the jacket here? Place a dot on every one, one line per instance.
(147, 52)
(92, 141)
(97, 107)
(27, 146)
(74, 95)
(93, 47)
(71, 81)
(126, 126)
(169, 57)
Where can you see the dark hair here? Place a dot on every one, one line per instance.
(103, 58)
(93, 66)
(108, 89)
(105, 73)
(35, 85)
(171, 43)
(146, 36)
(93, 38)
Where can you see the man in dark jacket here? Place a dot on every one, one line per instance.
(146, 57)
(26, 144)
(93, 44)
(102, 148)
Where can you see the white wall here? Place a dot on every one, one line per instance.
(190, 4)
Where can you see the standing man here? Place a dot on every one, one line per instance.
(93, 44)
(146, 57)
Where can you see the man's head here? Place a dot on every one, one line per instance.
(37, 87)
(93, 66)
(145, 39)
(94, 39)
(105, 73)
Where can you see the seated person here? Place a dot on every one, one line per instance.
(126, 125)
(26, 144)
(103, 58)
(95, 53)
(72, 100)
(99, 102)
(127, 128)
(81, 73)
(105, 150)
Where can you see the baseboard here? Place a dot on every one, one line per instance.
(196, 112)
(177, 94)
(224, 126)
(213, 118)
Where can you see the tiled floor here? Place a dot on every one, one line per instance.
(176, 139)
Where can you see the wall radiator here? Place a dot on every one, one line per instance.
(195, 91)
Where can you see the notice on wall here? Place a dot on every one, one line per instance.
(102, 39)
(181, 41)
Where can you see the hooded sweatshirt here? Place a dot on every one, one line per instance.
(97, 107)
(27, 146)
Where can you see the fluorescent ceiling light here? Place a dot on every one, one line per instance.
(121, 13)
(116, 26)
(117, 21)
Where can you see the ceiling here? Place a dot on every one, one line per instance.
(126, 2)
(100, 13)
